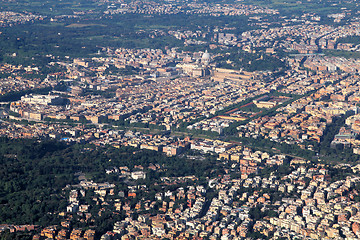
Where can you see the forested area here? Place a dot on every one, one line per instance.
(83, 38)
(250, 61)
(34, 173)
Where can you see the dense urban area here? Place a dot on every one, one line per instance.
(179, 119)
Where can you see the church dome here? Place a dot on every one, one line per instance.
(205, 56)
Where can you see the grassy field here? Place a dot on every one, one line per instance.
(80, 25)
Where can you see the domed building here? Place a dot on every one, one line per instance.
(205, 59)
